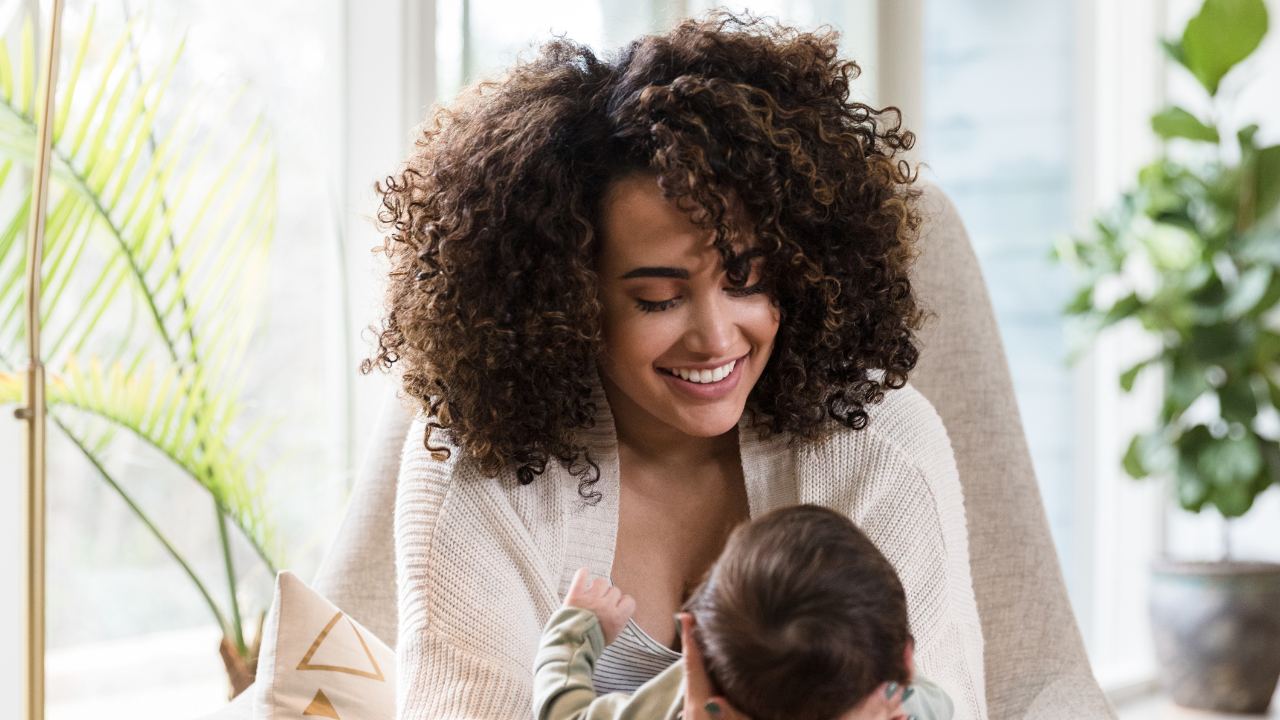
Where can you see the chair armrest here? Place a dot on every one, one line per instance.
(1035, 660)
(1071, 697)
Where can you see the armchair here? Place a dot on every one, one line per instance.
(1036, 665)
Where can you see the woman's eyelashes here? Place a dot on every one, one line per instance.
(650, 306)
(655, 306)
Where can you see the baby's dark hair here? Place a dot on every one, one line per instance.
(801, 618)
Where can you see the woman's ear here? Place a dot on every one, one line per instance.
(909, 659)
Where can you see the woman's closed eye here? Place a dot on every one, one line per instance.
(660, 305)
(655, 305)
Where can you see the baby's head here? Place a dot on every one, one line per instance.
(801, 618)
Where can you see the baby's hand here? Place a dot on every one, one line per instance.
(608, 603)
(884, 703)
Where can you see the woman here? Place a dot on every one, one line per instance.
(641, 300)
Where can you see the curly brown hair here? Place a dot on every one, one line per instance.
(491, 305)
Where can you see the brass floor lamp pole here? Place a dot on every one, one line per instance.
(32, 411)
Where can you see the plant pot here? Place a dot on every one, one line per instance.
(1217, 633)
(241, 670)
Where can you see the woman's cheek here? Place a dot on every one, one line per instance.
(765, 321)
(629, 334)
(646, 336)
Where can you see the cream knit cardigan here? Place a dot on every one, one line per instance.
(481, 563)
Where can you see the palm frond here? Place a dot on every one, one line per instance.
(93, 452)
(147, 403)
(152, 261)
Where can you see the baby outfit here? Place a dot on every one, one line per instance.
(571, 644)
(630, 661)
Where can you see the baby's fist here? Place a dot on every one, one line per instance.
(611, 607)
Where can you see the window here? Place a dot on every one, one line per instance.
(998, 126)
(128, 633)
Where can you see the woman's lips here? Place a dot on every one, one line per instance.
(706, 391)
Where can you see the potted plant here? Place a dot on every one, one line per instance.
(1193, 254)
(150, 295)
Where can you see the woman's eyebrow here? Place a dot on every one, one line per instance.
(657, 272)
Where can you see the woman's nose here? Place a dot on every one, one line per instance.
(712, 331)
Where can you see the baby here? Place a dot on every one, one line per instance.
(801, 618)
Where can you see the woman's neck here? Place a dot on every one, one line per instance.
(650, 440)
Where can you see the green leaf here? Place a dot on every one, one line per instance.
(1172, 247)
(1270, 456)
(1185, 382)
(1149, 454)
(1175, 51)
(134, 401)
(1237, 401)
(1269, 298)
(1127, 378)
(1132, 461)
(1192, 490)
(1124, 307)
(1266, 189)
(1221, 35)
(1063, 251)
(1213, 343)
(28, 67)
(6, 74)
(1212, 292)
(1193, 440)
(1274, 392)
(1161, 197)
(1175, 122)
(1245, 136)
(1261, 244)
(1248, 292)
(1225, 462)
(63, 108)
(1235, 499)
(1081, 303)
(1169, 310)
(1266, 347)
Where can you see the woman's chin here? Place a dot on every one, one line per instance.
(706, 422)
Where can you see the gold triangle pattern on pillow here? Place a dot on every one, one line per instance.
(321, 707)
(306, 660)
(318, 662)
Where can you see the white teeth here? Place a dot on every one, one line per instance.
(705, 376)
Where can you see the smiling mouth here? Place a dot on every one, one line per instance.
(703, 377)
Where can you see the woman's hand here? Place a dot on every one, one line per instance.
(612, 608)
(884, 703)
(699, 702)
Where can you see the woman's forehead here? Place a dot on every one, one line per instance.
(640, 224)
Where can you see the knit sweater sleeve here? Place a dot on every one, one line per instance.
(897, 479)
(463, 649)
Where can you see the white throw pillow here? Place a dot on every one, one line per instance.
(316, 662)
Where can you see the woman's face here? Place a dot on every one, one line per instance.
(683, 345)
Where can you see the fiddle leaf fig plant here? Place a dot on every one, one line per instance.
(1193, 254)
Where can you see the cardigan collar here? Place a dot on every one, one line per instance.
(768, 468)
(768, 464)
